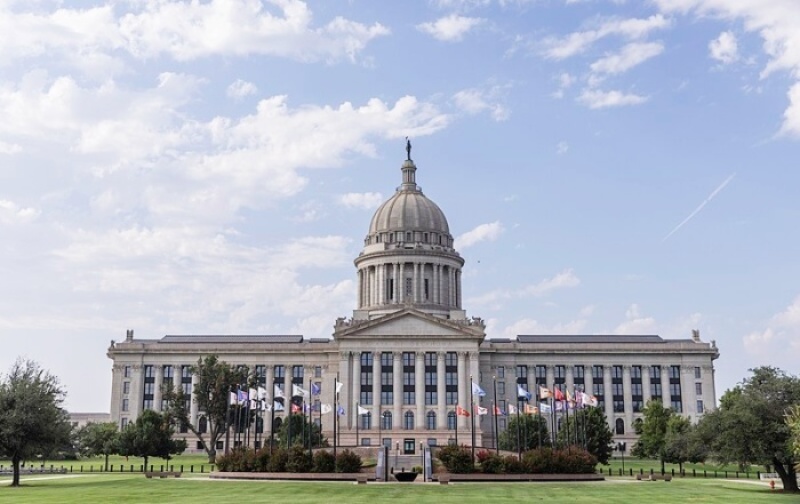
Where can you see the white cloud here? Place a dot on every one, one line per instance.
(12, 213)
(475, 101)
(240, 88)
(365, 200)
(597, 99)
(578, 42)
(563, 280)
(530, 326)
(629, 56)
(562, 147)
(450, 28)
(636, 323)
(724, 48)
(565, 81)
(772, 343)
(791, 116)
(481, 233)
(9, 148)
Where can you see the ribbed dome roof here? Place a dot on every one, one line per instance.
(409, 210)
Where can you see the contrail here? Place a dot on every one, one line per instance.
(704, 203)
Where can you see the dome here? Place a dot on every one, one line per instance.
(409, 211)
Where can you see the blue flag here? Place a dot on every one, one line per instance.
(315, 389)
(521, 392)
(477, 390)
(340, 410)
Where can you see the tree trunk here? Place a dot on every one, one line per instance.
(106, 462)
(145, 464)
(212, 455)
(15, 463)
(663, 470)
(787, 474)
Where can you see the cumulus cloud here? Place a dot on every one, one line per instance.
(724, 48)
(562, 147)
(563, 280)
(598, 99)
(481, 233)
(9, 148)
(635, 322)
(629, 56)
(365, 200)
(450, 28)
(475, 101)
(240, 88)
(777, 337)
(578, 42)
(527, 326)
(12, 213)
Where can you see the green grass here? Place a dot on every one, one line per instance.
(646, 464)
(88, 489)
(96, 464)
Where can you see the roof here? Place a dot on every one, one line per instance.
(589, 338)
(232, 338)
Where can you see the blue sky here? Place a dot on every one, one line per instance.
(212, 166)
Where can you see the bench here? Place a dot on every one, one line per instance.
(361, 479)
(653, 477)
(444, 479)
(162, 474)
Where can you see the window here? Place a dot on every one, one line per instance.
(699, 406)
(619, 426)
(202, 425)
(125, 405)
(697, 374)
(297, 373)
(675, 372)
(366, 441)
(522, 373)
(366, 421)
(501, 372)
(451, 420)
(655, 390)
(147, 404)
(167, 372)
(220, 445)
(597, 373)
(408, 421)
(430, 421)
(501, 424)
(636, 372)
(677, 406)
(126, 372)
(149, 372)
(408, 287)
(616, 372)
(501, 388)
(577, 372)
(317, 371)
(126, 387)
(386, 420)
(123, 423)
(698, 388)
(655, 373)
(426, 289)
(280, 373)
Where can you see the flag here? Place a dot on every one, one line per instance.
(531, 410)
(569, 397)
(477, 390)
(521, 392)
(299, 391)
(545, 408)
(544, 393)
(267, 407)
(339, 386)
(341, 411)
(262, 394)
(324, 409)
(512, 409)
(593, 402)
(362, 410)
(579, 399)
(498, 411)
(295, 408)
(242, 397)
(277, 406)
(481, 411)
(253, 394)
(315, 389)
(279, 392)
(233, 398)
(560, 405)
(461, 411)
(557, 394)
(306, 408)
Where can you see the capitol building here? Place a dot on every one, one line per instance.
(409, 351)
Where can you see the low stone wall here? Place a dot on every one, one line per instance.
(476, 477)
(287, 476)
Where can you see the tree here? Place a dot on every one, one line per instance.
(683, 443)
(97, 439)
(592, 426)
(32, 421)
(215, 380)
(750, 425)
(150, 436)
(793, 421)
(531, 429)
(652, 432)
(297, 423)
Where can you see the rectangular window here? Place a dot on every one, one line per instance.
(522, 374)
(124, 423)
(636, 372)
(297, 372)
(597, 373)
(577, 373)
(675, 372)
(677, 407)
(501, 388)
(616, 372)
(427, 296)
(126, 387)
(317, 371)
(280, 373)
(167, 370)
(697, 374)
(699, 406)
(125, 405)
(408, 287)
(501, 424)
(655, 373)
(431, 392)
(126, 372)
(698, 389)
(501, 372)
(149, 372)
(655, 390)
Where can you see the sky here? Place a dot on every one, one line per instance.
(211, 167)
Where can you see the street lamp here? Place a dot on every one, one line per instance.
(621, 449)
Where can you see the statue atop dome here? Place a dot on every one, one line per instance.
(408, 149)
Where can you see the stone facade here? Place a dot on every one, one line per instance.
(409, 352)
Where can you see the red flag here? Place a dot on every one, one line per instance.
(461, 411)
(498, 412)
(295, 408)
(559, 396)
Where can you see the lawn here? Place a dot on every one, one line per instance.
(92, 488)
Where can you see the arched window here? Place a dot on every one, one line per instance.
(409, 421)
(620, 426)
(202, 425)
(366, 421)
(451, 420)
(386, 421)
(430, 421)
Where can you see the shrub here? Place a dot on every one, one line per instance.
(278, 460)
(512, 465)
(417, 469)
(492, 463)
(262, 460)
(299, 460)
(348, 462)
(456, 459)
(572, 461)
(483, 455)
(237, 460)
(324, 462)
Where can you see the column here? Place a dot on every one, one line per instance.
(645, 384)
(441, 411)
(627, 396)
(474, 371)
(609, 396)
(194, 409)
(436, 271)
(570, 378)
(415, 283)
(458, 288)
(401, 298)
(396, 283)
(159, 371)
(356, 386)
(463, 387)
(397, 389)
(450, 291)
(376, 387)
(550, 373)
(419, 387)
(687, 392)
(137, 388)
(379, 284)
(666, 397)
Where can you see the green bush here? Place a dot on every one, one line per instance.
(324, 462)
(549, 461)
(491, 463)
(417, 469)
(456, 459)
(262, 460)
(237, 460)
(278, 460)
(299, 460)
(348, 462)
(513, 465)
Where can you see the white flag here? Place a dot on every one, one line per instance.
(262, 394)
(233, 398)
(339, 386)
(252, 394)
(362, 410)
(299, 391)
(278, 392)
(482, 411)
(477, 390)
(324, 409)
(512, 409)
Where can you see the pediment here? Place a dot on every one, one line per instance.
(409, 324)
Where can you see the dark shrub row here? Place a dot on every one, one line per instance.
(458, 459)
(296, 460)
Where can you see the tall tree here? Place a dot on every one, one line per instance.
(590, 424)
(682, 442)
(97, 439)
(750, 425)
(652, 432)
(32, 421)
(297, 425)
(793, 421)
(150, 436)
(215, 380)
(532, 428)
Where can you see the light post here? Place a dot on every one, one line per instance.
(621, 449)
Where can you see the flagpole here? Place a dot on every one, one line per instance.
(247, 418)
(472, 417)
(539, 410)
(553, 420)
(457, 424)
(496, 429)
(228, 422)
(358, 420)
(236, 428)
(569, 443)
(310, 421)
(335, 414)
(519, 443)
